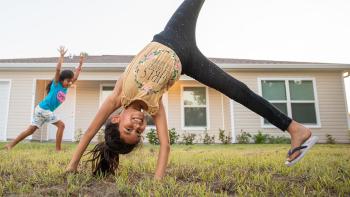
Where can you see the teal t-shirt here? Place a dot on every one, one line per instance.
(55, 97)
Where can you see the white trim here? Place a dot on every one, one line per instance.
(46, 130)
(289, 102)
(222, 111)
(74, 114)
(74, 109)
(206, 106)
(101, 88)
(8, 107)
(345, 99)
(233, 65)
(233, 129)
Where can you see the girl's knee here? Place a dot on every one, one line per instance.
(60, 125)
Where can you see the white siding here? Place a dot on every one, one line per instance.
(330, 93)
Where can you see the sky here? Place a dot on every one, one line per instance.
(298, 30)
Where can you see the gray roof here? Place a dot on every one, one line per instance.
(128, 58)
(119, 62)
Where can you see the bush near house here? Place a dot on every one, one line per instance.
(208, 139)
(261, 138)
(173, 136)
(153, 137)
(78, 135)
(101, 135)
(225, 139)
(188, 138)
(330, 139)
(243, 137)
(278, 140)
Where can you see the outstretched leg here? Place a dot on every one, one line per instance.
(29, 131)
(208, 73)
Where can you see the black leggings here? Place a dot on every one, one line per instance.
(179, 35)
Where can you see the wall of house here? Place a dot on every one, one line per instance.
(21, 99)
(332, 106)
(330, 95)
(25, 91)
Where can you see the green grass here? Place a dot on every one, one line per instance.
(199, 170)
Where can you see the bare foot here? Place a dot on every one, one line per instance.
(299, 134)
(7, 147)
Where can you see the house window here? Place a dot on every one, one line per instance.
(149, 120)
(293, 97)
(195, 107)
(106, 90)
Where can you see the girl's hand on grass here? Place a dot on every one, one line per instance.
(158, 178)
(71, 170)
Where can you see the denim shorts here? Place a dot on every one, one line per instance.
(42, 116)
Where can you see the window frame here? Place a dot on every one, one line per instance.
(194, 128)
(101, 89)
(289, 101)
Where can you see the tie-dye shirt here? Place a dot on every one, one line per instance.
(55, 97)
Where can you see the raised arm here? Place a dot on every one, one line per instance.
(163, 136)
(78, 70)
(111, 103)
(62, 51)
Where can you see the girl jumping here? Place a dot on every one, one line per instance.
(149, 75)
(56, 94)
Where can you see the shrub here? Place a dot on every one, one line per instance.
(100, 135)
(260, 138)
(188, 138)
(173, 136)
(223, 138)
(244, 137)
(330, 139)
(152, 137)
(208, 139)
(78, 135)
(278, 140)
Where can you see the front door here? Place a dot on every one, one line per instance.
(4, 103)
(66, 113)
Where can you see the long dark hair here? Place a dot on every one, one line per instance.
(105, 155)
(65, 74)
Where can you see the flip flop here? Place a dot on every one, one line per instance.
(303, 150)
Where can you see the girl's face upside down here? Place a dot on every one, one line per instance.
(132, 124)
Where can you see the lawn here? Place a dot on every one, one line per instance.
(198, 170)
